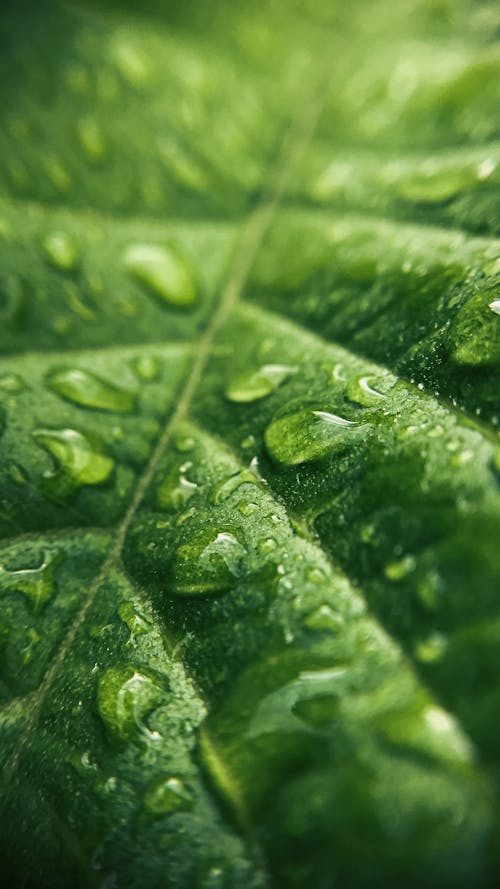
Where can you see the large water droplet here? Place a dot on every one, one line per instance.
(81, 461)
(168, 795)
(256, 384)
(495, 306)
(291, 708)
(176, 490)
(209, 564)
(164, 272)
(37, 584)
(307, 435)
(88, 390)
(61, 250)
(127, 700)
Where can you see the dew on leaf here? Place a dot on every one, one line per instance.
(401, 568)
(177, 489)
(495, 306)
(223, 489)
(61, 250)
(146, 367)
(164, 272)
(268, 545)
(361, 390)
(11, 383)
(88, 390)
(139, 624)
(307, 435)
(211, 563)
(127, 699)
(37, 584)
(431, 649)
(81, 460)
(91, 138)
(323, 618)
(168, 795)
(254, 385)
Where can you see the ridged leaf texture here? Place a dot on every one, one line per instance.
(249, 451)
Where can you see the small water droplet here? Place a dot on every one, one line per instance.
(176, 490)
(253, 385)
(209, 564)
(91, 138)
(88, 390)
(146, 367)
(18, 474)
(168, 795)
(495, 306)
(223, 489)
(401, 568)
(323, 618)
(307, 435)
(61, 250)
(266, 546)
(127, 700)
(433, 185)
(11, 383)
(431, 649)
(164, 272)
(247, 508)
(361, 390)
(81, 461)
(37, 584)
(137, 622)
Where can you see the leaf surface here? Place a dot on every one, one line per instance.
(249, 454)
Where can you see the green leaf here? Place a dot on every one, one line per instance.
(249, 450)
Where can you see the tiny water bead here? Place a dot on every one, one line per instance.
(308, 434)
(11, 383)
(324, 618)
(61, 250)
(254, 385)
(164, 272)
(431, 649)
(362, 391)
(401, 568)
(91, 138)
(174, 493)
(37, 584)
(127, 699)
(86, 389)
(138, 623)
(146, 367)
(210, 564)
(167, 795)
(223, 489)
(81, 460)
(495, 306)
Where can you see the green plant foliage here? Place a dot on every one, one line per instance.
(249, 449)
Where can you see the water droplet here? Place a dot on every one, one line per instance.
(210, 564)
(130, 61)
(37, 584)
(81, 461)
(146, 367)
(18, 474)
(127, 700)
(88, 390)
(495, 306)
(401, 568)
(184, 443)
(284, 710)
(223, 489)
(430, 590)
(247, 508)
(253, 385)
(139, 624)
(267, 545)
(323, 618)
(168, 795)
(164, 272)
(307, 435)
(176, 490)
(91, 138)
(11, 383)
(61, 250)
(361, 391)
(434, 185)
(431, 649)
